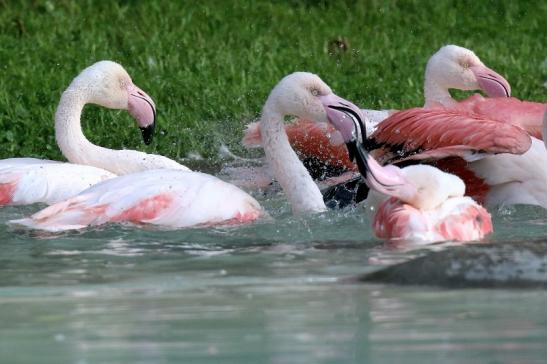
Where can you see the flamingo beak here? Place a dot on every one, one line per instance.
(343, 115)
(142, 108)
(387, 180)
(348, 120)
(491, 82)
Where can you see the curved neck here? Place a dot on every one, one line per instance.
(78, 149)
(435, 93)
(302, 192)
(68, 130)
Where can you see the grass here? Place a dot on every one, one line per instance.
(209, 65)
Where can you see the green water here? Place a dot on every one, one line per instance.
(280, 291)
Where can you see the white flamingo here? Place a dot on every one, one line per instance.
(105, 83)
(184, 198)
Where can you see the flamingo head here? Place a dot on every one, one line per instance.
(305, 95)
(459, 68)
(108, 84)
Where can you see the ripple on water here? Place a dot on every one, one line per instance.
(280, 290)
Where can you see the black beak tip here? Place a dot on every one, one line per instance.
(148, 133)
(352, 149)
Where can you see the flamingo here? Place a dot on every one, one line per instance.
(105, 83)
(462, 138)
(450, 67)
(500, 162)
(184, 198)
(424, 204)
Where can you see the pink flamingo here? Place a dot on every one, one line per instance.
(184, 198)
(499, 162)
(105, 83)
(424, 204)
(450, 67)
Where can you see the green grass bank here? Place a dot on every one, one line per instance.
(209, 65)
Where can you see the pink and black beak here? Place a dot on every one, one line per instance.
(348, 120)
(142, 108)
(493, 84)
(343, 115)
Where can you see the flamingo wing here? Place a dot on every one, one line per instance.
(308, 139)
(317, 140)
(419, 130)
(160, 197)
(525, 114)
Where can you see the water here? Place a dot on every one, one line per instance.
(289, 290)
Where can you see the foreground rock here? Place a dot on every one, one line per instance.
(518, 265)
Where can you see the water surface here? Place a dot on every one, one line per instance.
(278, 291)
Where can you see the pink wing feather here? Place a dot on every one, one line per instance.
(308, 139)
(424, 130)
(525, 114)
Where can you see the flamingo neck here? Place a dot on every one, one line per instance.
(436, 93)
(79, 150)
(68, 130)
(302, 192)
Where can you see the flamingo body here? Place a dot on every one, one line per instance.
(159, 197)
(459, 218)
(499, 162)
(475, 186)
(515, 179)
(424, 204)
(26, 183)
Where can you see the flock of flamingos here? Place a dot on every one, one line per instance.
(426, 171)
